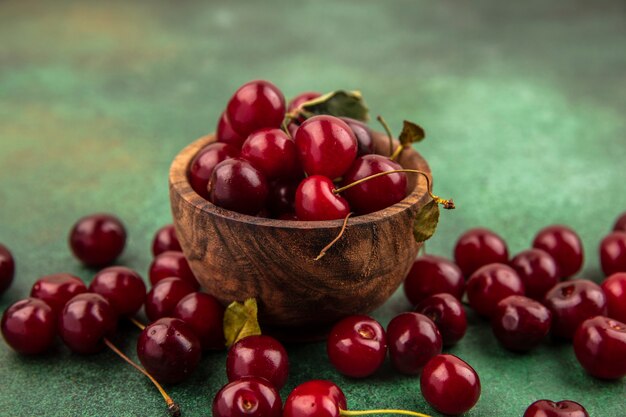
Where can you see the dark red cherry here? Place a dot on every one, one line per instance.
(238, 186)
(363, 136)
(433, 275)
(479, 247)
(547, 408)
(7, 268)
(316, 398)
(256, 105)
(613, 253)
(538, 271)
(165, 239)
(57, 289)
(273, 153)
(564, 245)
(413, 340)
(29, 326)
(247, 397)
(378, 193)
(300, 99)
(326, 146)
(600, 347)
(205, 315)
(85, 321)
(614, 288)
(620, 223)
(450, 385)
(282, 196)
(573, 302)
(162, 299)
(490, 284)
(315, 200)
(171, 264)
(98, 239)
(122, 287)
(520, 323)
(448, 315)
(259, 356)
(203, 164)
(226, 134)
(169, 350)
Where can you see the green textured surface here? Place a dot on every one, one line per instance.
(524, 105)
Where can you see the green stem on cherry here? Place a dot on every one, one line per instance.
(327, 247)
(388, 131)
(397, 152)
(348, 413)
(137, 323)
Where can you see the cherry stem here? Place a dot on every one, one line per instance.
(174, 409)
(397, 152)
(368, 412)
(137, 323)
(330, 245)
(386, 127)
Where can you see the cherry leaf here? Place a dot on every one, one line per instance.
(240, 320)
(411, 133)
(340, 103)
(425, 222)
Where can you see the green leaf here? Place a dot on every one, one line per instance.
(411, 133)
(338, 103)
(425, 222)
(240, 320)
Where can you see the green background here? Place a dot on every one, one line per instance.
(524, 104)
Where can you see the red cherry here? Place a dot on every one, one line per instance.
(479, 247)
(315, 200)
(282, 196)
(413, 340)
(363, 136)
(326, 146)
(620, 223)
(205, 315)
(204, 163)
(600, 347)
(57, 289)
(85, 321)
(300, 99)
(547, 408)
(613, 253)
(247, 397)
(538, 271)
(7, 268)
(520, 323)
(29, 326)
(226, 134)
(122, 287)
(273, 153)
(98, 239)
(357, 346)
(165, 239)
(448, 315)
(450, 385)
(238, 186)
(315, 398)
(171, 264)
(490, 284)
(433, 275)
(164, 296)
(564, 245)
(258, 356)
(614, 288)
(256, 105)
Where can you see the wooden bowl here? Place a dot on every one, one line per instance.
(235, 256)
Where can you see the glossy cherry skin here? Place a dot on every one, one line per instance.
(224, 133)
(614, 288)
(448, 315)
(363, 136)
(613, 253)
(171, 264)
(450, 385)
(326, 146)
(98, 239)
(520, 323)
(573, 302)
(85, 321)
(256, 105)
(7, 268)
(205, 315)
(57, 289)
(122, 287)
(238, 186)
(600, 347)
(490, 284)
(300, 99)
(315, 200)
(413, 340)
(247, 397)
(162, 299)
(169, 350)
(204, 163)
(564, 245)
(547, 408)
(273, 153)
(378, 193)
(29, 326)
(620, 223)
(259, 356)
(479, 247)
(538, 271)
(316, 398)
(282, 196)
(165, 240)
(431, 275)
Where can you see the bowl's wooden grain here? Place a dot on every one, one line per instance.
(235, 256)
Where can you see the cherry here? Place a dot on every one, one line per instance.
(165, 240)
(520, 323)
(600, 347)
(57, 289)
(300, 99)
(7, 268)
(162, 299)
(203, 164)
(326, 146)
(316, 398)
(448, 315)
(613, 253)
(573, 302)
(282, 196)
(479, 247)
(258, 356)
(614, 288)
(122, 287)
(29, 326)
(620, 223)
(86, 320)
(450, 385)
(98, 239)
(547, 408)
(413, 340)
(226, 134)
(538, 271)
(357, 346)
(255, 105)
(205, 315)
(169, 350)
(247, 397)
(171, 264)
(363, 136)
(433, 275)
(490, 284)
(273, 153)
(315, 200)
(564, 245)
(238, 186)
(378, 193)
